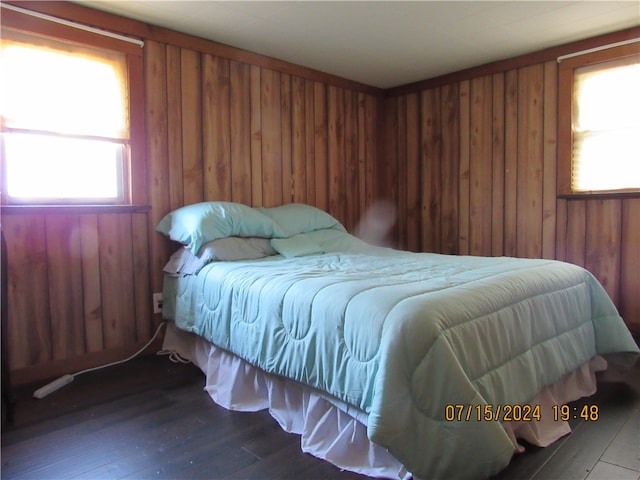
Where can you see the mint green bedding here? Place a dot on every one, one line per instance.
(399, 336)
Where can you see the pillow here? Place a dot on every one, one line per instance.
(296, 246)
(184, 262)
(236, 248)
(296, 218)
(194, 225)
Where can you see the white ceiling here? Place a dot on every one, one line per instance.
(385, 43)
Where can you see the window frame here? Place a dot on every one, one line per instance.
(135, 164)
(566, 73)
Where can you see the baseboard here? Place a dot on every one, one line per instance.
(56, 368)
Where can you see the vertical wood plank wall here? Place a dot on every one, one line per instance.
(221, 129)
(78, 288)
(476, 175)
(470, 166)
(217, 129)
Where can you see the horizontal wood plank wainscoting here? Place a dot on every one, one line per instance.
(476, 173)
(469, 160)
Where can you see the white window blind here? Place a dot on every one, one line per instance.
(606, 127)
(64, 88)
(65, 121)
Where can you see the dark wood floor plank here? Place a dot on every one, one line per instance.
(86, 449)
(606, 471)
(202, 436)
(289, 463)
(152, 419)
(624, 451)
(81, 434)
(527, 464)
(103, 387)
(585, 445)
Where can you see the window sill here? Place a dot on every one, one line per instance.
(599, 196)
(71, 209)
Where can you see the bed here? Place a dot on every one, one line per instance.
(388, 363)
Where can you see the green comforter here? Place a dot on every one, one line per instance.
(406, 337)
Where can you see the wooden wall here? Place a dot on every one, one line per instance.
(221, 124)
(475, 173)
(470, 164)
(78, 290)
(221, 129)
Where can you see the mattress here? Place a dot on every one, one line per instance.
(428, 352)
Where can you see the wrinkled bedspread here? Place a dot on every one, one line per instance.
(402, 335)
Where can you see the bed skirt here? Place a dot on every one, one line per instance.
(334, 431)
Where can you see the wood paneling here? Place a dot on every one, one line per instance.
(630, 263)
(549, 158)
(464, 174)
(92, 304)
(271, 141)
(489, 142)
(78, 284)
(298, 140)
(480, 165)
(30, 335)
(320, 171)
(431, 173)
(337, 165)
(266, 137)
(240, 123)
(510, 162)
(156, 112)
(529, 158)
(411, 202)
(116, 279)
(497, 166)
(191, 127)
(286, 144)
(468, 161)
(217, 128)
(65, 289)
(450, 168)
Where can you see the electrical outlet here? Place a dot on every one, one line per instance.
(157, 303)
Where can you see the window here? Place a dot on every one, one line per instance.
(66, 119)
(599, 136)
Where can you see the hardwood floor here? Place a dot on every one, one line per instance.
(150, 418)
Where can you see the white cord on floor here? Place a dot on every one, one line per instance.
(174, 356)
(66, 379)
(126, 359)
